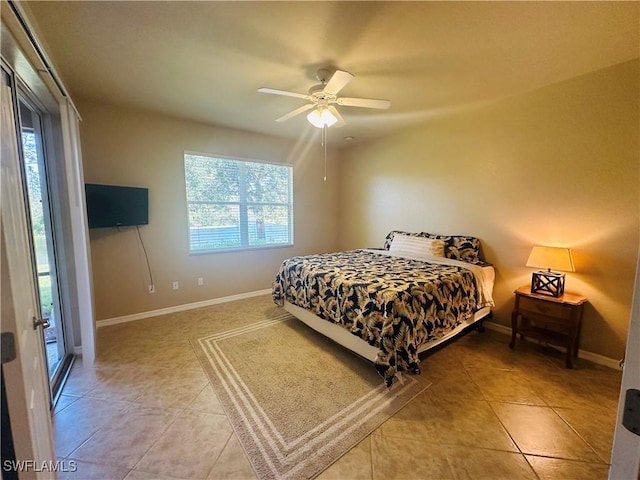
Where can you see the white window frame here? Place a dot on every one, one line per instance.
(243, 205)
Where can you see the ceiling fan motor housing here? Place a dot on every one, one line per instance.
(318, 95)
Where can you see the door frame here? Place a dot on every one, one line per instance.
(625, 454)
(47, 154)
(27, 386)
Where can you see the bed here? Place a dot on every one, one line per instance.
(390, 304)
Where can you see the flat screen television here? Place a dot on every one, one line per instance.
(115, 206)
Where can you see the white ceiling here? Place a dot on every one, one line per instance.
(204, 61)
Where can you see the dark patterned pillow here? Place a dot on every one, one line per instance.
(390, 235)
(456, 247)
(460, 247)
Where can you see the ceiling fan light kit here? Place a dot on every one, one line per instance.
(321, 117)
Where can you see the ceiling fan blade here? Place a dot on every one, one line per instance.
(336, 113)
(337, 82)
(297, 111)
(363, 102)
(273, 91)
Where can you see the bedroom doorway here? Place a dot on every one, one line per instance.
(37, 187)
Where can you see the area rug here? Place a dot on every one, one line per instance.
(296, 400)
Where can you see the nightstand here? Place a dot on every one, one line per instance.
(549, 319)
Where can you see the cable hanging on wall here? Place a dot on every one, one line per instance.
(151, 284)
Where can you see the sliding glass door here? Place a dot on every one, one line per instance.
(43, 239)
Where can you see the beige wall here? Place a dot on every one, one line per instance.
(557, 166)
(136, 148)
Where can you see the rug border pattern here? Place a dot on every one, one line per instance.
(258, 434)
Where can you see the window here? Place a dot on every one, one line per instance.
(237, 204)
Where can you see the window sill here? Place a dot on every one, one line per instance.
(240, 249)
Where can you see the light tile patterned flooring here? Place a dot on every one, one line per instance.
(146, 410)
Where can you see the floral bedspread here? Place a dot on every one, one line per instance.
(394, 303)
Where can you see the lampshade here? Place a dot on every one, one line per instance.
(321, 117)
(551, 258)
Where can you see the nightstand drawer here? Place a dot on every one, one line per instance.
(549, 309)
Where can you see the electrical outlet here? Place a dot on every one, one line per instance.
(152, 289)
(200, 281)
(174, 285)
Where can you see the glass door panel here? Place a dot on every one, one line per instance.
(42, 233)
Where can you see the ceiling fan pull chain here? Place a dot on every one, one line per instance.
(325, 132)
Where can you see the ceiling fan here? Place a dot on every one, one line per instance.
(323, 98)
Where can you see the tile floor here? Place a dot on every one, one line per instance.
(139, 412)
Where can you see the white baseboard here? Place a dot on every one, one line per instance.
(592, 357)
(179, 308)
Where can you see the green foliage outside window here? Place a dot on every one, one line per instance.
(237, 203)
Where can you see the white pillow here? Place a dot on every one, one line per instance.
(419, 246)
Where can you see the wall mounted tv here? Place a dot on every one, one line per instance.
(115, 206)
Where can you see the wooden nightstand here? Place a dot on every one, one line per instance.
(552, 320)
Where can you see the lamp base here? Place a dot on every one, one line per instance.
(548, 283)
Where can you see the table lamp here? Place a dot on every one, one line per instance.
(548, 282)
